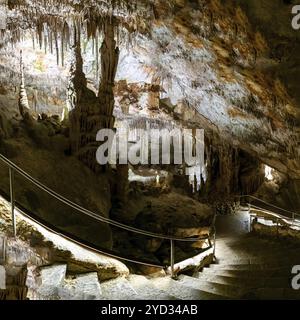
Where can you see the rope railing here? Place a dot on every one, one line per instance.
(13, 168)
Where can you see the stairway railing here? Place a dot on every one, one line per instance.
(256, 210)
(13, 168)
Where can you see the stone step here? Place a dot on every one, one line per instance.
(118, 289)
(273, 253)
(256, 241)
(217, 288)
(231, 267)
(50, 280)
(81, 287)
(284, 260)
(147, 290)
(243, 282)
(273, 294)
(255, 246)
(184, 290)
(270, 253)
(247, 273)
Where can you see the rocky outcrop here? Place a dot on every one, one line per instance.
(174, 215)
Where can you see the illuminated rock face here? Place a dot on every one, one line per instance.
(211, 65)
(214, 66)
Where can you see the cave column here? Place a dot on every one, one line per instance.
(84, 116)
(109, 63)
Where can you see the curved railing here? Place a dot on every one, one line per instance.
(263, 211)
(293, 214)
(211, 237)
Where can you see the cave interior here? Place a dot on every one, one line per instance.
(224, 68)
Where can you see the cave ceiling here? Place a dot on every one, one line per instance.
(222, 60)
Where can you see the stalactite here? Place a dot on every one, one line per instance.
(97, 57)
(45, 43)
(23, 100)
(33, 41)
(62, 50)
(51, 42)
(56, 47)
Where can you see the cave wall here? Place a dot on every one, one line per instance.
(206, 65)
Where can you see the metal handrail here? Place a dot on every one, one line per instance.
(271, 213)
(87, 246)
(290, 221)
(270, 204)
(90, 213)
(14, 168)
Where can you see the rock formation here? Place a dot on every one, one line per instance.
(146, 64)
(85, 115)
(23, 100)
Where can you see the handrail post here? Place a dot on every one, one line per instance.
(12, 201)
(172, 259)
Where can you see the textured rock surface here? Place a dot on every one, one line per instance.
(273, 20)
(40, 247)
(207, 58)
(214, 71)
(82, 287)
(51, 279)
(175, 215)
(43, 157)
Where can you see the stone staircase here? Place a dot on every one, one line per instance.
(248, 267)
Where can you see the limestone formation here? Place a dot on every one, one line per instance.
(23, 99)
(84, 115)
(143, 64)
(109, 62)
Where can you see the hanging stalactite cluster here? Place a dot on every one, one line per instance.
(51, 21)
(60, 25)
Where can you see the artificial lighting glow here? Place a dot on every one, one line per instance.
(268, 173)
